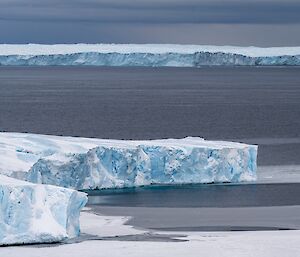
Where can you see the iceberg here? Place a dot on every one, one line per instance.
(152, 55)
(82, 163)
(31, 213)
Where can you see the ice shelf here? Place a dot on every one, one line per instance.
(153, 55)
(83, 163)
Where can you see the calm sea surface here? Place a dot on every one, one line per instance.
(253, 105)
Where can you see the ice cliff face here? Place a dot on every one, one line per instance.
(94, 163)
(146, 55)
(31, 213)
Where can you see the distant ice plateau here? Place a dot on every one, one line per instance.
(82, 163)
(152, 55)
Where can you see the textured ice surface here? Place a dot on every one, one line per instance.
(83, 163)
(146, 55)
(31, 213)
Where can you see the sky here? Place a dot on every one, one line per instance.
(213, 22)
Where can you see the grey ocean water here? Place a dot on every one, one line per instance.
(253, 105)
(248, 104)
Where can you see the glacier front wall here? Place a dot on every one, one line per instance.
(83, 163)
(32, 213)
(196, 59)
(116, 167)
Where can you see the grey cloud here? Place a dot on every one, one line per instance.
(235, 22)
(167, 11)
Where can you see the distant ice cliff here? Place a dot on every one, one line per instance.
(152, 55)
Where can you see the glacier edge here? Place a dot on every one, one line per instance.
(31, 213)
(152, 55)
(81, 163)
(197, 60)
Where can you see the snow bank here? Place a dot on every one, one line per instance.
(156, 55)
(83, 163)
(31, 213)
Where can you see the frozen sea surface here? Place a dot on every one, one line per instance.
(105, 234)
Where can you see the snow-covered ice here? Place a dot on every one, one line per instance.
(215, 244)
(83, 163)
(156, 55)
(31, 213)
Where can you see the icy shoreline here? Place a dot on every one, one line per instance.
(149, 55)
(112, 229)
(42, 213)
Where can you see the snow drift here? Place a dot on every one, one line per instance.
(153, 55)
(31, 213)
(83, 163)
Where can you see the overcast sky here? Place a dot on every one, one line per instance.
(218, 22)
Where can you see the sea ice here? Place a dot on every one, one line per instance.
(193, 244)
